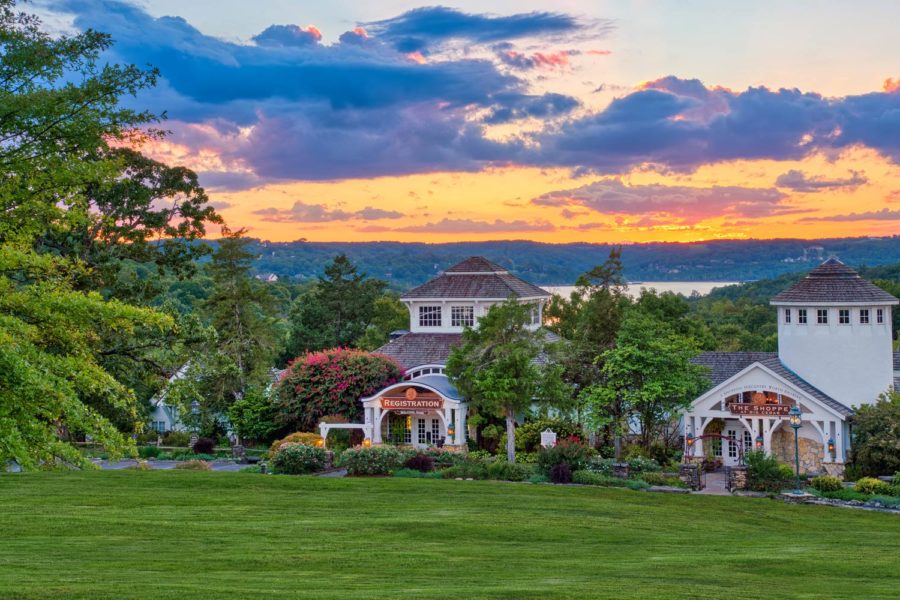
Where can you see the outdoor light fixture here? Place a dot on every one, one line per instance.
(690, 440)
(796, 422)
(759, 442)
(320, 443)
(451, 430)
(831, 447)
(367, 443)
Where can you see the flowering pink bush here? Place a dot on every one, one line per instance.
(330, 382)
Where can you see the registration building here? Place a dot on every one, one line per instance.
(834, 354)
(425, 409)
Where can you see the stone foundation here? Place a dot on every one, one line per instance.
(834, 469)
(812, 453)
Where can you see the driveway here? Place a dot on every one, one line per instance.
(217, 465)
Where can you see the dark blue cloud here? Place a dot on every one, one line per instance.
(419, 29)
(287, 35)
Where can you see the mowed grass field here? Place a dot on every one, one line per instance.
(232, 535)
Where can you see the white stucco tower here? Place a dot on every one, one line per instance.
(834, 331)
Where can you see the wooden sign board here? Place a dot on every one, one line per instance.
(760, 410)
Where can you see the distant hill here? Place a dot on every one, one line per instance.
(404, 265)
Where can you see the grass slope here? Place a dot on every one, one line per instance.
(225, 535)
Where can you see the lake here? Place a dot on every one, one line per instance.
(685, 288)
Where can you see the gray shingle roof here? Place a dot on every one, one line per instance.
(474, 278)
(414, 349)
(833, 281)
(724, 365)
(897, 361)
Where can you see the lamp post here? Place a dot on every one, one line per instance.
(796, 422)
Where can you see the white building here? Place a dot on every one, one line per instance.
(834, 354)
(425, 408)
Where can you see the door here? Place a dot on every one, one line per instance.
(730, 448)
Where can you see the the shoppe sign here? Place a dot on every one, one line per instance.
(760, 410)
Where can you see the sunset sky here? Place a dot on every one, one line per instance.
(572, 120)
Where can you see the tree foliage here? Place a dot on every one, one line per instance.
(876, 436)
(500, 367)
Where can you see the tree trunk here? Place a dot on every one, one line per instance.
(510, 435)
(617, 445)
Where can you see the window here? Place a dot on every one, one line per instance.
(429, 316)
(716, 446)
(822, 316)
(421, 430)
(748, 442)
(435, 431)
(535, 315)
(462, 316)
(158, 426)
(864, 316)
(801, 316)
(879, 316)
(844, 316)
(787, 315)
(399, 429)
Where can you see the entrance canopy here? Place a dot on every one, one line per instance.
(430, 402)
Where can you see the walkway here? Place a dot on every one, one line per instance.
(716, 485)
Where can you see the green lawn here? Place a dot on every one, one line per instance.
(234, 535)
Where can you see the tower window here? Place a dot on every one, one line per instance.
(864, 316)
(787, 315)
(801, 316)
(879, 316)
(429, 316)
(822, 316)
(844, 316)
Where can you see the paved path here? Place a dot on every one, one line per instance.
(217, 465)
(716, 485)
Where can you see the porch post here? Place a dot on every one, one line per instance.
(839, 442)
(460, 437)
(376, 424)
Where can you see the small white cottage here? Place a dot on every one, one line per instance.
(834, 354)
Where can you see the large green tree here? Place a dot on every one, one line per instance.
(336, 312)
(503, 368)
(648, 377)
(876, 436)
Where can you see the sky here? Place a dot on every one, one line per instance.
(563, 121)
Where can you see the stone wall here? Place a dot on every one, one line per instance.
(736, 478)
(812, 453)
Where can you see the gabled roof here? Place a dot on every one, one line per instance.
(834, 282)
(414, 349)
(476, 278)
(725, 365)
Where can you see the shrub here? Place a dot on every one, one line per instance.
(640, 464)
(176, 438)
(416, 474)
(876, 436)
(826, 483)
(506, 471)
(528, 436)
(147, 437)
(660, 479)
(442, 457)
(301, 437)
(420, 462)
(297, 459)
(845, 494)
(870, 485)
(601, 466)
(573, 453)
(885, 500)
(538, 478)
(194, 465)
(149, 452)
(377, 460)
(561, 473)
(204, 445)
(765, 473)
(330, 382)
(585, 477)
(467, 470)
(251, 469)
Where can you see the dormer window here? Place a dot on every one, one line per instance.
(822, 316)
(429, 316)
(462, 316)
(535, 315)
(844, 316)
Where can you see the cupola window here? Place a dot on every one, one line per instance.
(844, 316)
(801, 316)
(879, 316)
(822, 316)
(429, 316)
(787, 315)
(864, 316)
(462, 316)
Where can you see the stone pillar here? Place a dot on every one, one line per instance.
(690, 475)
(620, 470)
(736, 478)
